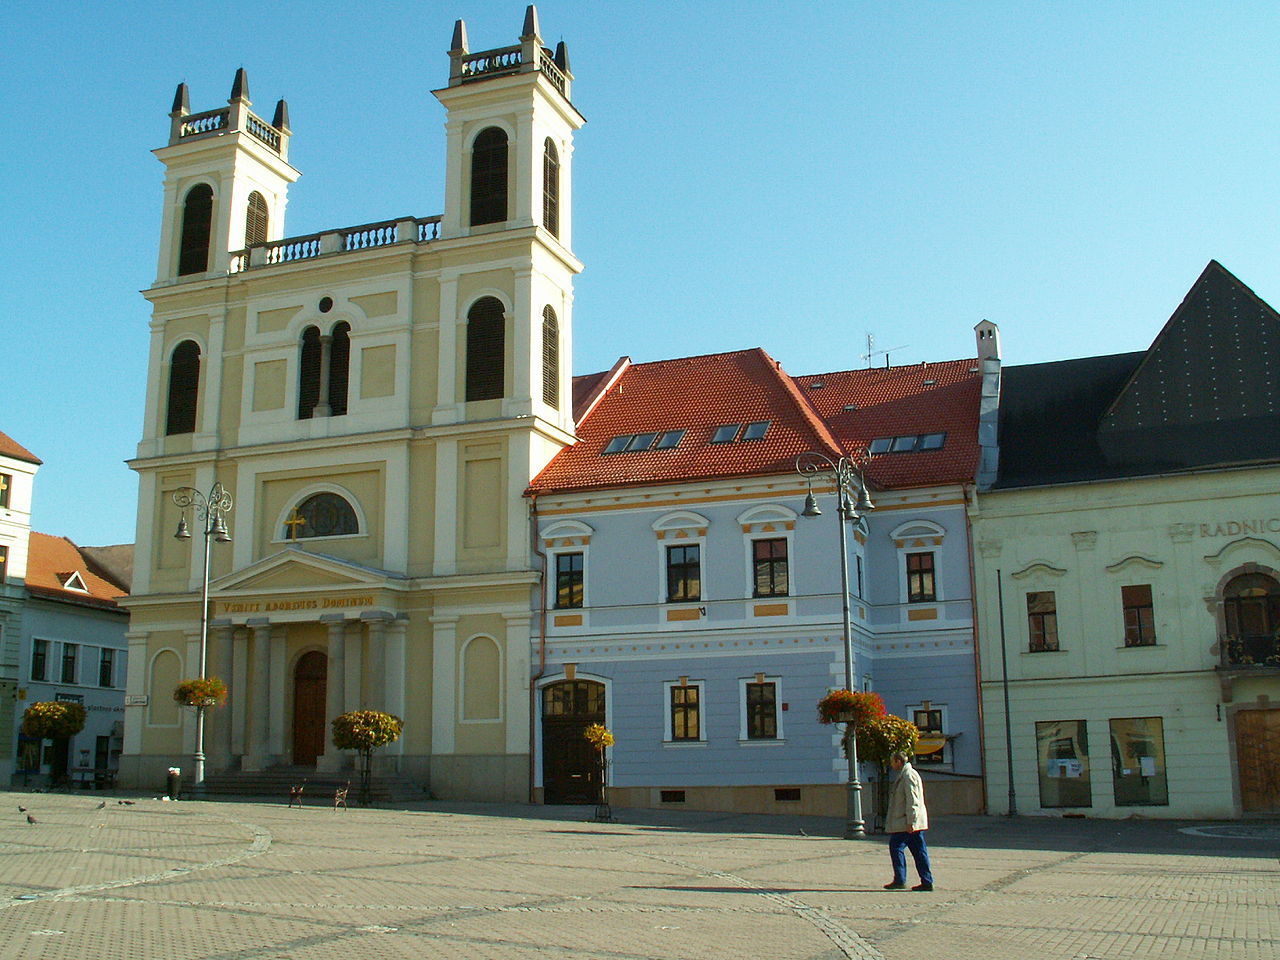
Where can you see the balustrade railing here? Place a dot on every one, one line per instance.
(547, 64)
(263, 131)
(490, 62)
(199, 124)
(367, 236)
(1250, 650)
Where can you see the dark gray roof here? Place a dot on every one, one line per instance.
(1204, 394)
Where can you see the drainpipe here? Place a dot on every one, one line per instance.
(542, 635)
(971, 492)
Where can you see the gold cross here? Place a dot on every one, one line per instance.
(295, 520)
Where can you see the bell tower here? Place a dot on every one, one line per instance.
(508, 204)
(226, 180)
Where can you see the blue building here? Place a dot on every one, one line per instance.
(692, 608)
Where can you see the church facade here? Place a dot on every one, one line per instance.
(374, 402)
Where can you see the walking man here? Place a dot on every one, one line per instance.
(906, 822)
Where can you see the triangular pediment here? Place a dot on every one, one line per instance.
(297, 569)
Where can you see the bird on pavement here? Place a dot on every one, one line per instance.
(126, 803)
(21, 808)
(30, 818)
(102, 804)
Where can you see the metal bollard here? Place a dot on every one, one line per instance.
(175, 782)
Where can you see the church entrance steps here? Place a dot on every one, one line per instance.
(318, 787)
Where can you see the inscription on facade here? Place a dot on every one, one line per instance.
(1234, 528)
(305, 603)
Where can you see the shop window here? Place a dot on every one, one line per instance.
(1137, 762)
(1139, 615)
(1062, 756)
(1042, 621)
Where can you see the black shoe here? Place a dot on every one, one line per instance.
(895, 885)
(923, 888)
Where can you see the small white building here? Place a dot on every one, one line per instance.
(18, 467)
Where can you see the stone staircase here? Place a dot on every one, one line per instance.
(274, 784)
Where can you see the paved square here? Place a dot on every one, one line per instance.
(234, 881)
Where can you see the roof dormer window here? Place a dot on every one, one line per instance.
(73, 581)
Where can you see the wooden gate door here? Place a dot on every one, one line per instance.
(1258, 753)
(570, 765)
(308, 707)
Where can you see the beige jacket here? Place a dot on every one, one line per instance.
(906, 804)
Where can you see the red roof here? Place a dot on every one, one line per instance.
(699, 394)
(898, 401)
(50, 563)
(12, 448)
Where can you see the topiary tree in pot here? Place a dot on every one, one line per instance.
(365, 731)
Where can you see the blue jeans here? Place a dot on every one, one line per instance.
(898, 844)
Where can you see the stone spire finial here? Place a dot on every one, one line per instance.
(459, 43)
(562, 57)
(181, 100)
(281, 120)
(530, 23)
(240, 86)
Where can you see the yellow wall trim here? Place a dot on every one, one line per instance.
(772, 609)
(568, 620)
(931, 613)
(682, 615)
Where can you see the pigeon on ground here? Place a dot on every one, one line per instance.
(126, 803)
(30, 818)
(102, 804)
(21, 808)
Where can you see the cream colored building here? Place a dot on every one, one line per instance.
(375, 400)
(1127, 563)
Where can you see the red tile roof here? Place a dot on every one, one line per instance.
(50, 560)
(12, 448)
(698, 394)
(894, 401)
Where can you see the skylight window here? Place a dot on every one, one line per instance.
(669, 440)
(641, 441)
(756, 431)
(908, 444)
(618, 444)
(725, 433)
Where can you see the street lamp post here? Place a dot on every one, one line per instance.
(209, 511)
(849, 484)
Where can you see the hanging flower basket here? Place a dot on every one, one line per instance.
(201, 692)
(53, 720)
(848, 706)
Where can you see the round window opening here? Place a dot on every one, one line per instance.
(322, 515)
(326, 304)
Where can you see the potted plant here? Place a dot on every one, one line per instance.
(56, 720)
(365, 731)
(598, 735)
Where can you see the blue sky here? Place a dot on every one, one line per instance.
(786, 175)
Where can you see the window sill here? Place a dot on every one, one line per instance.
(762, 742)
(684, 744)
(1142, 646)
(1040, 653)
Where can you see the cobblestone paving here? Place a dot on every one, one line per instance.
(240, 881)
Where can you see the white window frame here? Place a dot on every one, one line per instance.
(667, 738)
(780, 735)
(781, 524)
(362, 522)
(905, 534)
(681, 528)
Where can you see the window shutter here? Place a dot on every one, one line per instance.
(550, 358)
(489, 177)
(184, 388)
(339, 368)
(197, 217)
(550, 188)
(486, 348)
(309, 374)
(255, 220)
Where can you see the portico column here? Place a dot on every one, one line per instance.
(221, 721)
(239, 689)
(334, 681)
(393, 675)
(352, 647)
(276, 694)
(256, 758)
(444, 683)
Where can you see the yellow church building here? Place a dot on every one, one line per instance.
(373, 401)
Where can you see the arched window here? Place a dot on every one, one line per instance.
(309, 374)
(489, 177)
(551, 188)
(321, 515)
(550, 358)
(1251, 607)
(197, 218)
(339, 368)
(486, 348)
(184, 388)
(255, 220)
